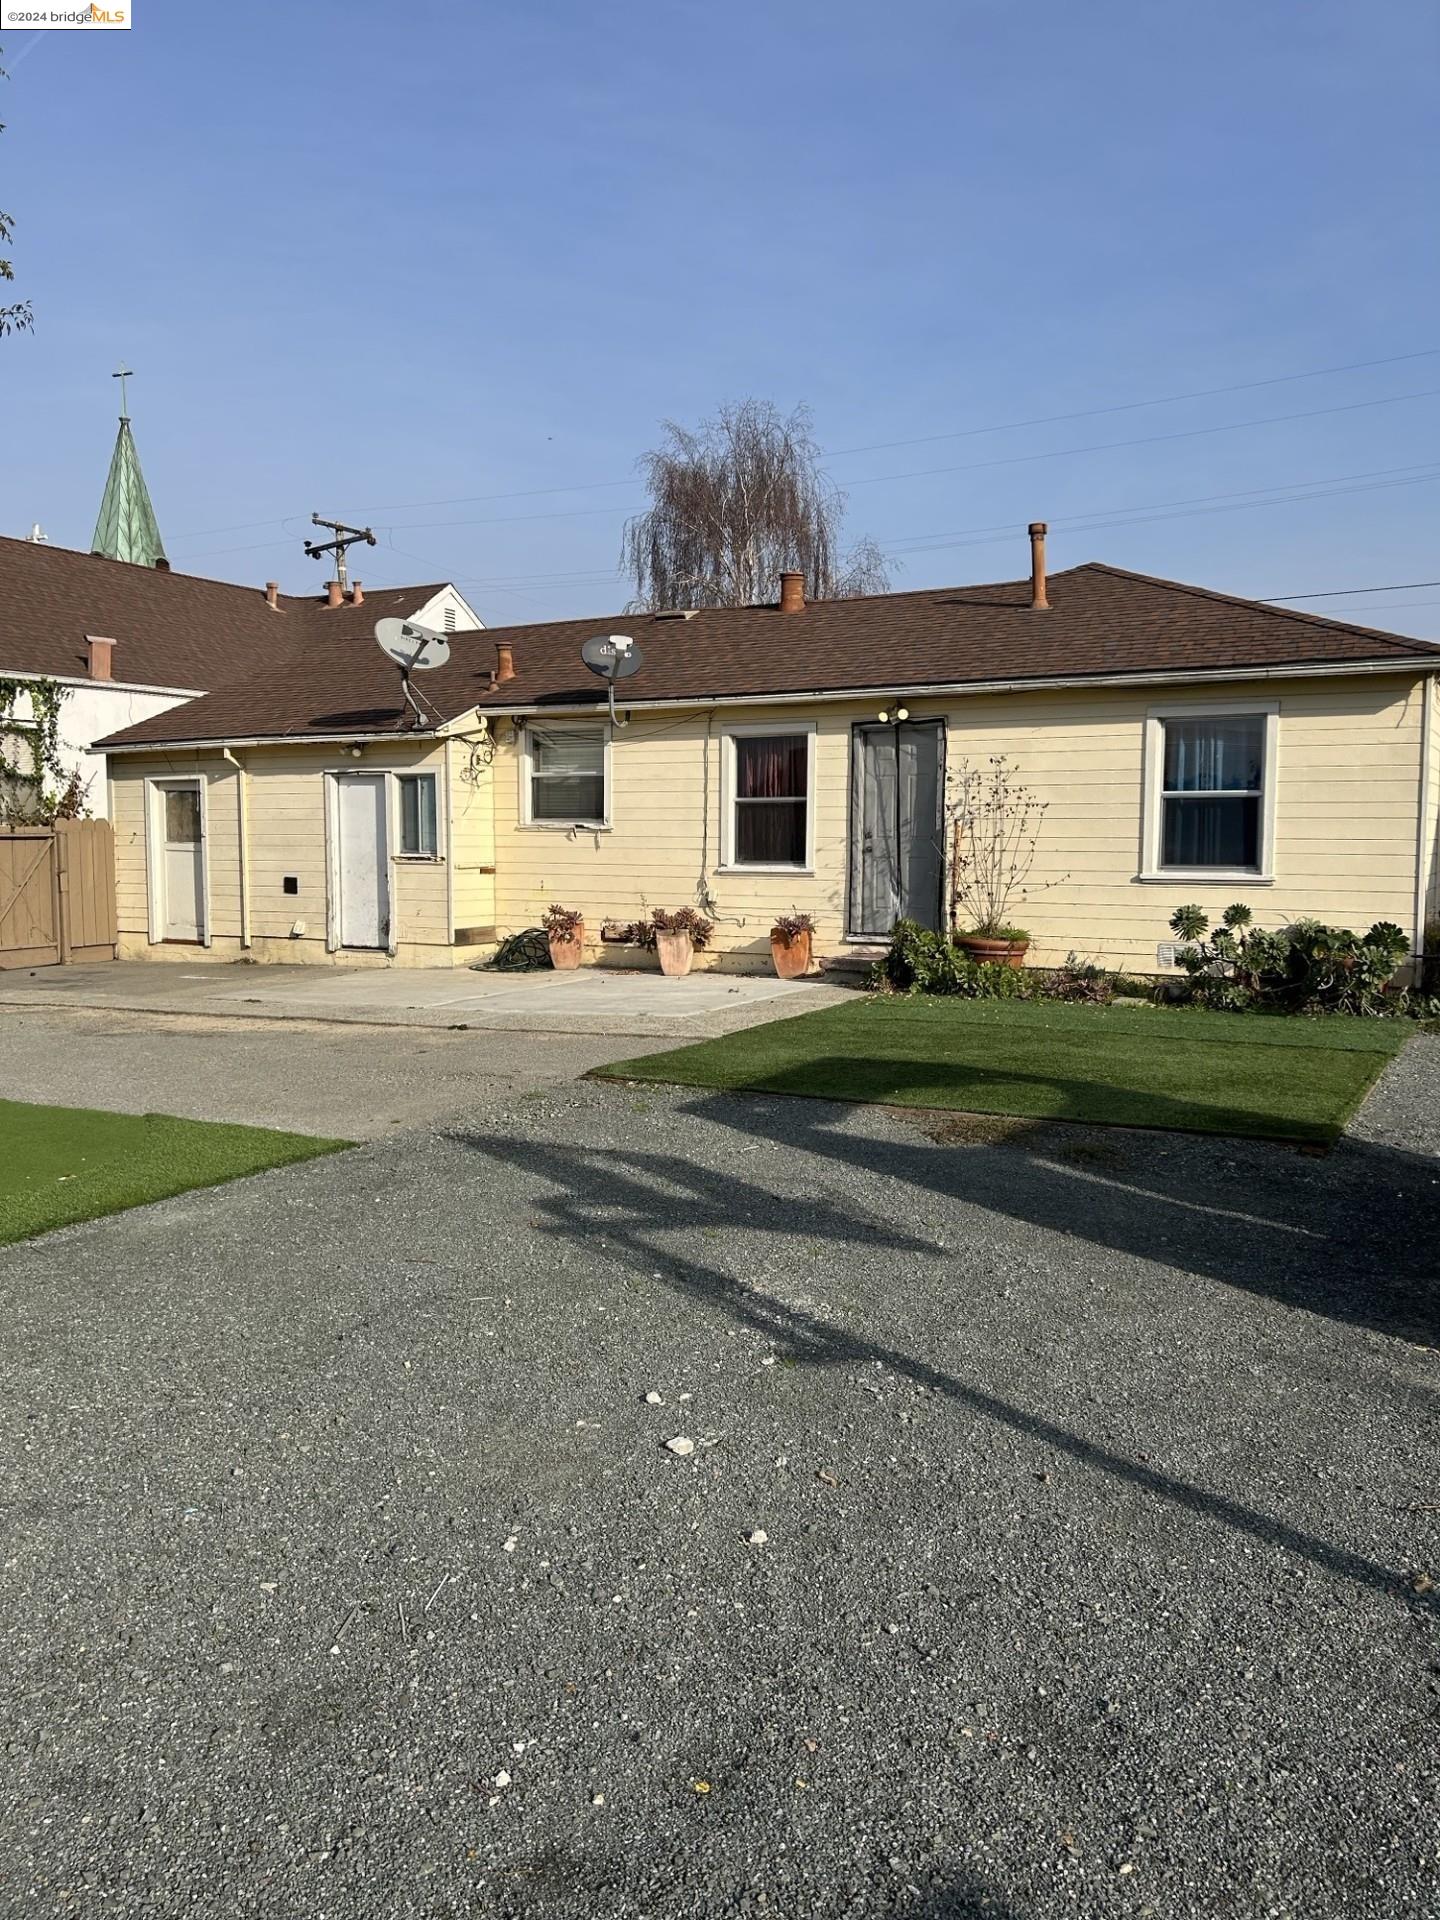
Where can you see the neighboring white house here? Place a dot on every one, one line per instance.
(126, 641)
(126, 638)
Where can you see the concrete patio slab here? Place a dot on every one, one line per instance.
(593, 1001)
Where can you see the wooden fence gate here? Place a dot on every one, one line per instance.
(57, 893)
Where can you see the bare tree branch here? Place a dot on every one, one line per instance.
(733, 504)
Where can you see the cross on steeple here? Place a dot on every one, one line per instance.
(126, 528)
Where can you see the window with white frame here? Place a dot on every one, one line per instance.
(1210, 775)
(419, 811)
(565, 775)
(770, 799)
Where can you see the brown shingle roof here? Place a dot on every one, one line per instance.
(170, 629)
(1102, 621)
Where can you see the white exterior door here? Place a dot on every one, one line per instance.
(362, 863)
(182, 861)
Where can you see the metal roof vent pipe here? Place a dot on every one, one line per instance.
(357, 594)
(272, 594)
(1038, 600)
(334, 593)
(792, 592)
(504, 662)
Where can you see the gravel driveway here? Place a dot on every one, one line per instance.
(1056, 1537)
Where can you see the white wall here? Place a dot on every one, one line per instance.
(91, 710)
(432, 614)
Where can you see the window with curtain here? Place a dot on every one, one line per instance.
(771, 801)
(566, 773)
(418, 834)
(1213, 783)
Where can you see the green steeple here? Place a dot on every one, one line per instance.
(127, 528)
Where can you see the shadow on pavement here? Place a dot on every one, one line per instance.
(632, 1199)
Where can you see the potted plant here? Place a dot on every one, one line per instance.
(995, 826)
(996, 946)
(565, 932)
(678, 937)
(790, 945)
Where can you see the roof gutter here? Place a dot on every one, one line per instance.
(890, 689)
(219, 742)
(930, 690)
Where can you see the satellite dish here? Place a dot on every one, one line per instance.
(614, 656)
(413, 648)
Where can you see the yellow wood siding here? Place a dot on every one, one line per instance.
(287, 836)
(1346, 817)
(1430, 831)
(472, 834)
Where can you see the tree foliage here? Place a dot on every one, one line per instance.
(736, 502)
(14, 318)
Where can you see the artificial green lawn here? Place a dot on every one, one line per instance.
(63, 1164)
(1132, 1065)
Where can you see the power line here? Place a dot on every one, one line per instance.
(1144, 440)
(1340, 481)
(1004, 426)
(1130, 406)
(901, 546)
(1345, 593)
(975, 466)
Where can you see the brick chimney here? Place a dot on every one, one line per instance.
(792, 593)
(504, 661)
(100, 655)
(1038, 601)
(272, 594)
(334, 593)
(357, 594)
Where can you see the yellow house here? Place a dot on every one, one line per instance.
(791, 758)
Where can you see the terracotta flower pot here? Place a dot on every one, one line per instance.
(791, 958)
(994, 953)
(565, 954)
(676, 951)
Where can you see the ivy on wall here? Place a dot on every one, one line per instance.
(34, 786)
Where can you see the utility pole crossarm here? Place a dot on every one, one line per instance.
(345, 538)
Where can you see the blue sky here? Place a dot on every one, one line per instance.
(470, 256)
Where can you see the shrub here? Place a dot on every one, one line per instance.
(1012, 934)
(1306, 967)
(919, 961)
(562, 923)
(1080, 981)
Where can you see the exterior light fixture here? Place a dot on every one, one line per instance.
(902, 713)
(884, 716)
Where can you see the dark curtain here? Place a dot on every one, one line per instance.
(770, 792)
